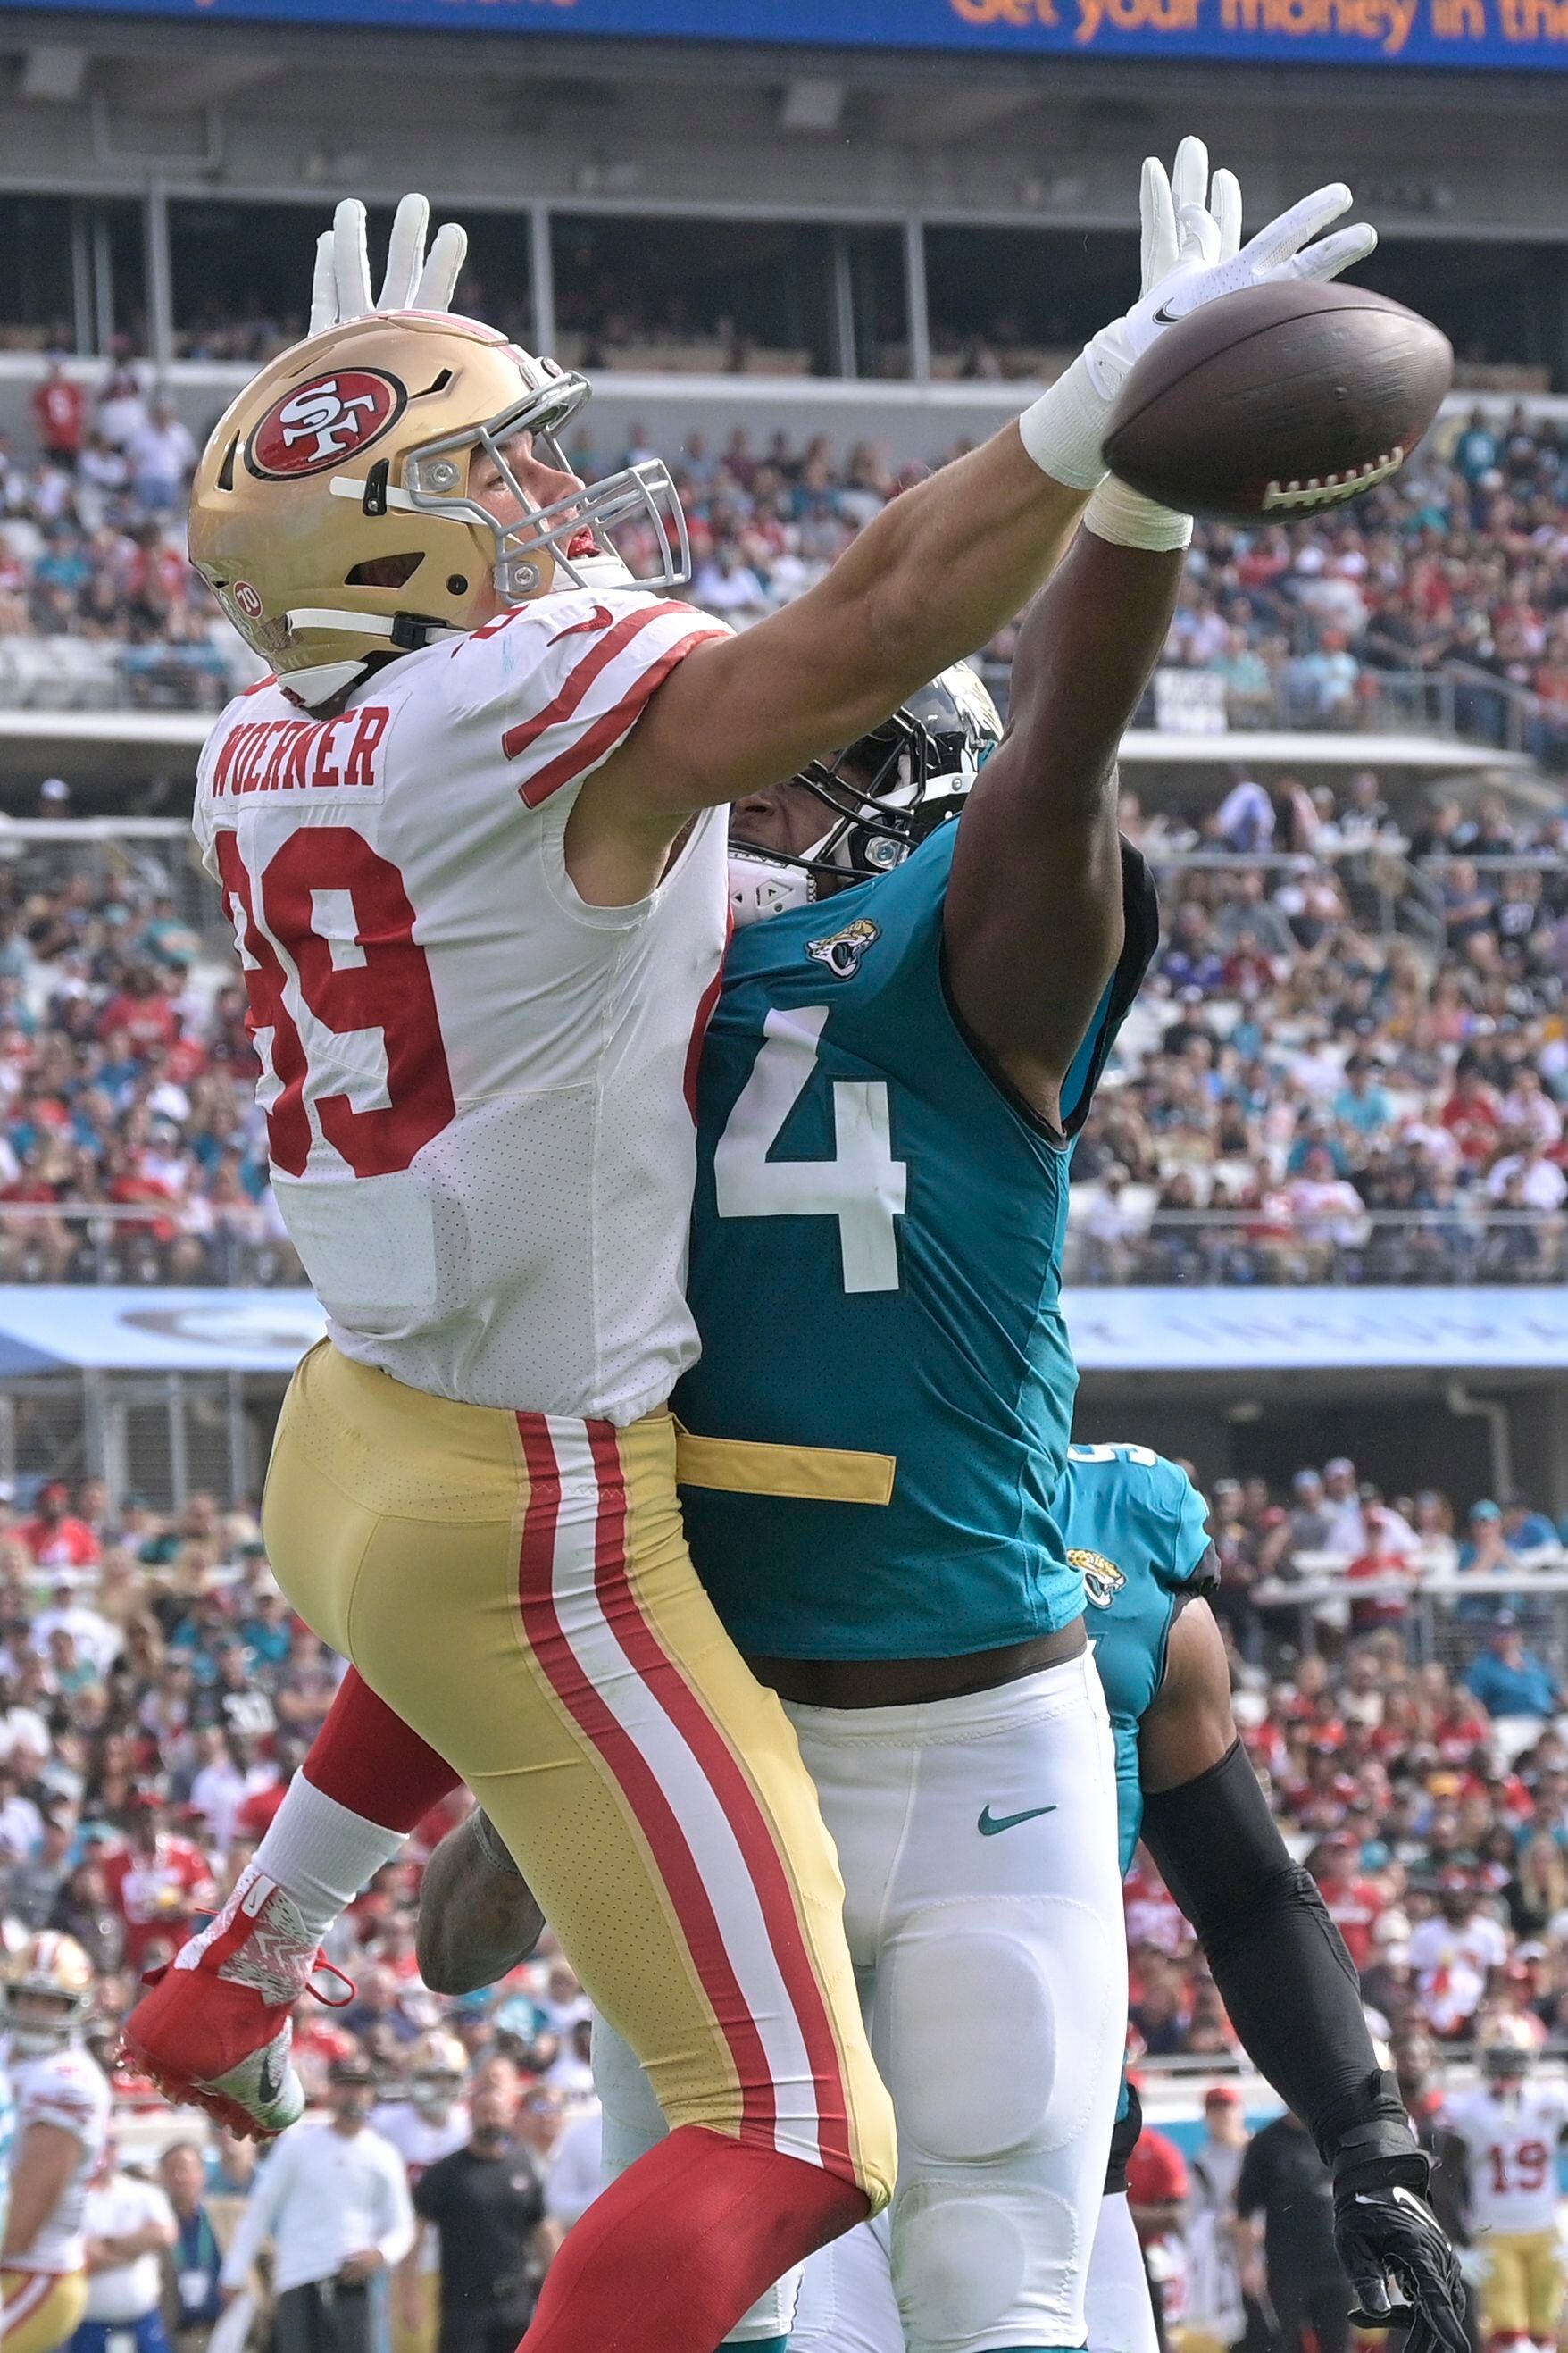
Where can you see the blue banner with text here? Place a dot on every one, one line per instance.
(1495, 33)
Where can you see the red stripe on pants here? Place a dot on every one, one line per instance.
(752, 1833)
(654, 1815)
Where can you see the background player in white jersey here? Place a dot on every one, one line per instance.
(431, 2123)
(62, 2130)
(1512, 2125)
(479, 898)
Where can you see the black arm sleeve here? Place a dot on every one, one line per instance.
(1280, 1965)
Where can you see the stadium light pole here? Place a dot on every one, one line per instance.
(915, 298)
(160, 285)
(541, 270)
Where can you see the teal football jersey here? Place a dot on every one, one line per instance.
(875, 1264)
(1134, 1526)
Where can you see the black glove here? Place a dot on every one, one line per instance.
(1397, 2259)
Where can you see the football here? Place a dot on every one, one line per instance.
(1280, 401)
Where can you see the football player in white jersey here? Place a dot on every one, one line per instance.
(1512, 2125)
(429, 2124)
(62, 2130)
(469, 835)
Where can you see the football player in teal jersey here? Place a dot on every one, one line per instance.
(1135, 1527)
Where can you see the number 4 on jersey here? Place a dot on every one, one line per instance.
(862, 1186)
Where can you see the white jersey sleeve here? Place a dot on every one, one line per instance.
(476, 1085)
(65, 2089)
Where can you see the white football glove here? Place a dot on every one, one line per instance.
(1192, 254)
(1212, 212)
(415, 279)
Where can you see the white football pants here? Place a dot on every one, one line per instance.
(977, 1840)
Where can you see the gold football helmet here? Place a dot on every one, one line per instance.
(330, 511)
(436, 2075)
(48, 1992)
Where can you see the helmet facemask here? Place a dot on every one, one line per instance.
(38, 2031)
(435, 477)
(883, 794)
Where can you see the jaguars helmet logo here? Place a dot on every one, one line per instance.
(841, 951)
(1102, 1581)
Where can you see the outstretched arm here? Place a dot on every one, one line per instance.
(935, 575)
(1266, 1935)
(941, 570)
(1034, 923)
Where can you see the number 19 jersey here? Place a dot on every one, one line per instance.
(876, 1275)
(1512, 2139)
(476, 1085)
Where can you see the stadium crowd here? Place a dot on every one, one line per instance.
(1351, 1061)
(156, 1696)
(125, 1089)
(1458, 560)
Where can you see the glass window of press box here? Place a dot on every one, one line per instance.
(728, 297)
(1504, 308)
(241, 273)
(72, 274)
(1020, 301)
(1007, 302)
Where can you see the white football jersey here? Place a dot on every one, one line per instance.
(1512, 2143)
(476, 1085)
(69, 2089)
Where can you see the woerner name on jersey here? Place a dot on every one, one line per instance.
(288, 755)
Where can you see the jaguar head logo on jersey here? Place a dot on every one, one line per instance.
(331, 418)
(342, 490)
(1102, 1581)
(841, 952)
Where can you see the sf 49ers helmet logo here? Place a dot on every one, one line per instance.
(331, 418)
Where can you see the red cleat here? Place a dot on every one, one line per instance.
(213, 2031)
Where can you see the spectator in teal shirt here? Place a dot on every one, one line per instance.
(1360, 1104)
(1508, 1679)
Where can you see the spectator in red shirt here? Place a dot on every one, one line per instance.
(1471, 1116)
(142, 1011)
(1385, 1557)
(254, 1819)
(59, 409)
(157, 1882)
(1355, 1903)
(1158, 2186)
(54, 1538)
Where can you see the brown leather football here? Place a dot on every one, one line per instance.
(1281, 402)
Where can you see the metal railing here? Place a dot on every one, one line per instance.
(103, 1241)
(1274, 1247)
(1492, 710)
(159, 853)
(1378, 701)
(80, 673)
(1444, 1613)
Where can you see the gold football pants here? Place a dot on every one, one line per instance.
(516, 1586)
(1521, 2294)
(40, 2309)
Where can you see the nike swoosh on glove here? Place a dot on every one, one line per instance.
(1198, 253)
(1400, 2265)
